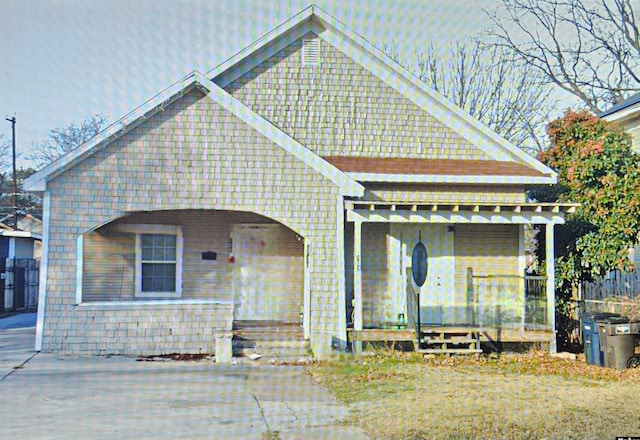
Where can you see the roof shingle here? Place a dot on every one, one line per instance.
(451, 167)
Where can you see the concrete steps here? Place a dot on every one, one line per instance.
(270, 341)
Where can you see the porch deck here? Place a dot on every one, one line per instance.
(487, 334)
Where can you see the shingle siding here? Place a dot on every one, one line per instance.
(338, 108)
(429, 193)
(192, 155)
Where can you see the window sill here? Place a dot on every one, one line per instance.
(156, 303)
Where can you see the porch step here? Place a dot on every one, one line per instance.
(270, 341)
(447, 341)
(449, 350)
(455, 341)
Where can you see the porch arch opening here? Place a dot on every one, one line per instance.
(238, 257)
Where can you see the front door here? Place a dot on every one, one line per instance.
(269, 273)
(437, 293)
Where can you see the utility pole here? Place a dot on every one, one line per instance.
(15, 176)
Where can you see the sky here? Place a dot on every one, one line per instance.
(63, 60)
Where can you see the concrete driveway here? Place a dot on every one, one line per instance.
(59, 397)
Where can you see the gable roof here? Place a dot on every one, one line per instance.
(524, 169)
(26, 223)
(433, 170)
(37, 181)
(313, 19)
(626, 108)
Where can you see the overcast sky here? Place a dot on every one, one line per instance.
(63, 60)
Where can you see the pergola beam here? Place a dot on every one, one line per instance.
(410, 216)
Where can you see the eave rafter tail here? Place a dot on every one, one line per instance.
(527, 213)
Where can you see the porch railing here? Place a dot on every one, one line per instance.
(507, 301)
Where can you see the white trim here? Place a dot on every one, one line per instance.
(150, 303)
(551, 288)
(371, 58)
(264, 48)
(12, 247)
(379, 64)
(340, 272)
(44, 269)
(396, 263)
(306, 301)
(522, 264)
(327, 27)
(404, 216)
(139, 230)
(444, 178)
(522, 250)
(624, 113)
(357, 280)
(37, 182)
(348, 186)
(79, 267)
(21, 234)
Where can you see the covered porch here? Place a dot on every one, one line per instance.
(476, 288)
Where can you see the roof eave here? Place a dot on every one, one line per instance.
(21, 234)
(37, 182)
(348, 187)
(622, 114)
(420, 94)
(442, 178)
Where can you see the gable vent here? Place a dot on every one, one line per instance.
(311, 51)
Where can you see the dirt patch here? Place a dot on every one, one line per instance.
(177, 357)
(519, 397)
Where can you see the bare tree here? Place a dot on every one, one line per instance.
(589, 48)
(62, 140)
(506, 95)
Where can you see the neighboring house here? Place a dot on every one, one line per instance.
(20, 251)
(283, 186)
(627, 115)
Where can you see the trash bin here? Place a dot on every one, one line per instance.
(620, 343)
(590, 337)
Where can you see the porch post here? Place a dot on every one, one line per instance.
(551, 290)
(357, 281)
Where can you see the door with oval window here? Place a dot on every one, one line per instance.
(437, 293)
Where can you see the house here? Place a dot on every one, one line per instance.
(626, 114)
(20, 251)
(289, 185)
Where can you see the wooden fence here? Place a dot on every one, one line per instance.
(618, 292)
(615, 284)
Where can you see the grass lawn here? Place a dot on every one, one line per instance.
(396, 395)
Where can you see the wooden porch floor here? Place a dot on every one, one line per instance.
(486, 334)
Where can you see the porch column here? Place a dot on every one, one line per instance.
(551, 290)
(357, 281)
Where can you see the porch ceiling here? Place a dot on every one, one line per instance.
(485, 212)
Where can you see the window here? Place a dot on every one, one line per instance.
(158, 261)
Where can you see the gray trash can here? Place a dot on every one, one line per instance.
(620, 343)
(593, 352)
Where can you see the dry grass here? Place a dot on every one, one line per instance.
(528, 396)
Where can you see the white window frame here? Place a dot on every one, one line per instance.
(142, 229)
